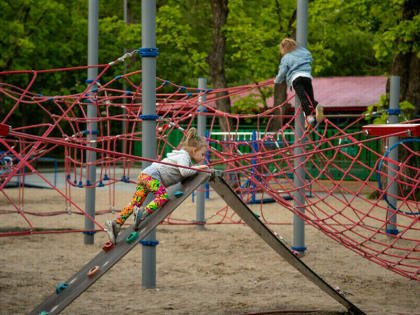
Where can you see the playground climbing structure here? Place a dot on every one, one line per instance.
(347, 191)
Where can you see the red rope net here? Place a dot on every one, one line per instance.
(346, 179)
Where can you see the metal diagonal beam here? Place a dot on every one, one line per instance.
(246, 214)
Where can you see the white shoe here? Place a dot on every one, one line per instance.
(139, 215)
(112, 229)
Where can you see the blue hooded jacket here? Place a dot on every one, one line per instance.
(296, 61)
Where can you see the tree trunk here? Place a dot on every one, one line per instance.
(216, 59)
(280, 90)
(280, 96)
(407, 65)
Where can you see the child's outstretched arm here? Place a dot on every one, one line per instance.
(184, 160)
(281, 75)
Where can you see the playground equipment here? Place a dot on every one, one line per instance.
(78, 283)
(328, 168)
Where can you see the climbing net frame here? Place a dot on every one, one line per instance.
(257, 164)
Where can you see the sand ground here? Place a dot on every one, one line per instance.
(225, 269)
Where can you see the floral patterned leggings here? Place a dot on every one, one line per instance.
(145, 184)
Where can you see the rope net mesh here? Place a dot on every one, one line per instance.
(346, 176)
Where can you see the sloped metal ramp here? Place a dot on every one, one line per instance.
(246, 214)
(80, 281)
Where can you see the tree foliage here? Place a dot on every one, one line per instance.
(351, 37)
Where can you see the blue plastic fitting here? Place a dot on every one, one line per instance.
(149, 117)
(299, 249)
(89, 232)
(94, 132)
(88, 81)
(392, 231)
(395, 111)
(149, 243)
(148, 52)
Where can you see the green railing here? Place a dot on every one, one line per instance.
(351, 159)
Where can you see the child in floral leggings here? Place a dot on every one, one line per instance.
(156, 177)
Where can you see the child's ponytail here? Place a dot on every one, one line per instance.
(287, 45)
(193, 140)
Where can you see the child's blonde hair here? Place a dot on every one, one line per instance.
(287, 45)
(192, 140)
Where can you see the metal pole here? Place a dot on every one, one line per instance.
(92, 124)
(201, 129)
(124, 109)
(148, 53)
(392, 193)
(299, 176)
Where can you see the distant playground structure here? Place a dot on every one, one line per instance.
(343, 164)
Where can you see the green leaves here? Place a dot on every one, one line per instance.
(352, 37)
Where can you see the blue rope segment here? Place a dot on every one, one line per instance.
(149, 117)
(149, 243)
(378, 176)
(148, 52)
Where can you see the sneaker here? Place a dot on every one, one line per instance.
(136, 212)
(309, 121)
(319, 113)
(139, 215)
(112, 228)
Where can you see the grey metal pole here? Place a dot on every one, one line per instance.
(124, 109)
(392, 192)
(92, 124)
(299, 176)
(148, 52)
(201, 129)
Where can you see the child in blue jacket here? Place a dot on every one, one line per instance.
(295, 67)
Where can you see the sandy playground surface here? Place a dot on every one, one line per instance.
(226, 269)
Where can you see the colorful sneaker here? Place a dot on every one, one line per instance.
(319, 113)
(309, 121)
(112, 228)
